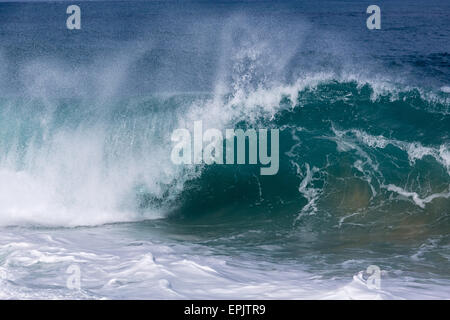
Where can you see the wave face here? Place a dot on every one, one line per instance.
(87, 141)
(348, 156)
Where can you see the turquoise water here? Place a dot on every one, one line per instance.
(86, 178)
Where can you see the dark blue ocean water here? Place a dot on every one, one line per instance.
(184, 38)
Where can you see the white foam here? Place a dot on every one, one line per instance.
(110, 268)
(415, 197)
(415, 150)
(308, 191)
(445, 89)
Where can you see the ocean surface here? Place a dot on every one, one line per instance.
(87, 182)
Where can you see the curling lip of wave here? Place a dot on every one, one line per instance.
(35, 200)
